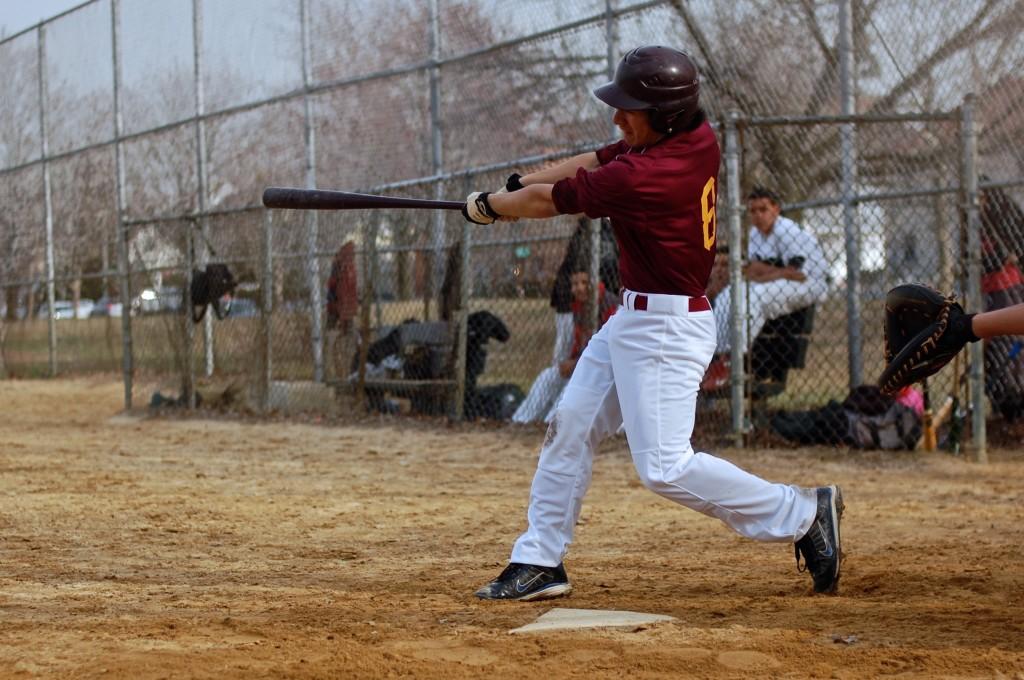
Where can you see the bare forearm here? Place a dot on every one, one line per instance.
(793, 274)
(1006, 321)
(531, 201)
(566, 168)
(765, 273)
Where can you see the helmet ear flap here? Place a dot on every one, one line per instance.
(668, 123)
(656, 120)
(665, 123)
(659, 121)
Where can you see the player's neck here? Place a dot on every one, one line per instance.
(642, 148)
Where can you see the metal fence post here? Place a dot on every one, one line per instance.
(436, 150)
(378, 308)
(188, 328)
(365, 296)
(267, 276)
(461, 328)
(612, 40)
(47, 205)
(202, 174)
(611, 36)
(594, 303)
(974, 302)
(123, 261)
(736, 320)
(312, 220)
(848, 180)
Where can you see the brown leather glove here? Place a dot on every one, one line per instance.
(924, 330)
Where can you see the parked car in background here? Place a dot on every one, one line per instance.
(243, 307)
(157, 301)
(19, 312)
(107, 306)
(65, 309)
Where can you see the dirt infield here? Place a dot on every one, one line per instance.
(150, 548)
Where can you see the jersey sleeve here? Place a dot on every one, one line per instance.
(802, 243)
(753, 244)
(597, 193)
(815, 267)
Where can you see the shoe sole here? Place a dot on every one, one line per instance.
(836, 507)
(554, 590)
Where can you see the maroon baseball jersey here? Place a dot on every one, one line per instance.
(661, 202)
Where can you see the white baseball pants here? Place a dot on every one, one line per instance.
(642, 370)
(768, 300)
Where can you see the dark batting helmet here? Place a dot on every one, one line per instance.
(661, 80)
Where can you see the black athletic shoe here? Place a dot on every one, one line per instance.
(820, 546)
(527, 582)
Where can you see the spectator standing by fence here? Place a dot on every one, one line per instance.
(342, 305)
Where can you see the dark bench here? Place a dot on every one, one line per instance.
(427, 365)
(427, 379)
(781, 345)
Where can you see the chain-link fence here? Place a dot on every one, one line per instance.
(814, 278)
(136, 138)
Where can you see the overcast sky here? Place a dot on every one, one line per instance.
(17, 15)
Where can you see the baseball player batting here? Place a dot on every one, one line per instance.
(658, 186)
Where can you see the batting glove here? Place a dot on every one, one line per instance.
(513, 183)
(478, 210)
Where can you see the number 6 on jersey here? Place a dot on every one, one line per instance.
(708, 216)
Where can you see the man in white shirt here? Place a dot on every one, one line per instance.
(786, 271)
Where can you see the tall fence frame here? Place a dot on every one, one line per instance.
(196, 224)
(966, 189)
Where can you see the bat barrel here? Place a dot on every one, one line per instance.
(319, 199)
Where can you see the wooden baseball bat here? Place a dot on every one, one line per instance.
(319, 199)
(928, 436)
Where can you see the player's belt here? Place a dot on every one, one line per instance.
(670, 304)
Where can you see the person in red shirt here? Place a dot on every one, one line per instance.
(342, 303)
(582, 329)
(642, 370)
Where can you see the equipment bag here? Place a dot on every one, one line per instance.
(897, 428)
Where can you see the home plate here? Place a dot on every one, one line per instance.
(567, 619)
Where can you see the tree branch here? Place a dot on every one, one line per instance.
(960, 40)
(711, 69)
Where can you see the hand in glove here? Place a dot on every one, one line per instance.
(478, 209)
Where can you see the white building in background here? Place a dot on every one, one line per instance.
(154, 251)
(899, 241)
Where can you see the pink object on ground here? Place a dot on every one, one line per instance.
(908, 396)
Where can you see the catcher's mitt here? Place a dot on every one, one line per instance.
(924, 330)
